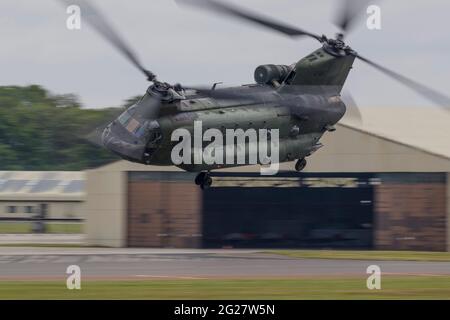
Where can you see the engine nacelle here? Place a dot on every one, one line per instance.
(268, 73)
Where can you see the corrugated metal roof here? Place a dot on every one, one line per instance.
(42, 185)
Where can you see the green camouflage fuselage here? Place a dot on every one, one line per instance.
(303, 107)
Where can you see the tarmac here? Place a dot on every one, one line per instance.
(127, 263)
(45, 238)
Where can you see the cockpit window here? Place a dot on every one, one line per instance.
(124, 118)
(140, 131)
(131, 124)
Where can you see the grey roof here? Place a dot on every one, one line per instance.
(43, 185)
(423, 128)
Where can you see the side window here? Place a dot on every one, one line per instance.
(11, 209)
(43, 210)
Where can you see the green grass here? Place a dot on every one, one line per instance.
(64, 228)
(408, 287)
(25, 227)
(364, 255)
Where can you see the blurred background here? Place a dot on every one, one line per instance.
(376, 186)
(379, 183)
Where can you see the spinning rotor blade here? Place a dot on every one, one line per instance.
(147, 108)
(243, 14)
(353, 113)
(94, 17)
(348, 13)
(431, 94)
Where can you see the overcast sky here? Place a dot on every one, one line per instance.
(195, 48)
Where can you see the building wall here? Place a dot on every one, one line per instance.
(55, 210)
(164, 209)
(411, 212)
(350, 150)
(448, 212)
(106, 208)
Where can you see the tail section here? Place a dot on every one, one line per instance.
(321, 68)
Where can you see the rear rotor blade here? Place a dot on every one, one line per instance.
(431, 94)
(349, 12)
(95, 18)
(243, 14)
(148, 108)
(353, 113)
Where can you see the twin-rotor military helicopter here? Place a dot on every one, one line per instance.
(302, 101)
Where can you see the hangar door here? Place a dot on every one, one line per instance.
(306, 211)
(163, 210)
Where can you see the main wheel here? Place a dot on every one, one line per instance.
(207, 182)
(300, 164)
(200, 178)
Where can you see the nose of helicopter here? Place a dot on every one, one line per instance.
(122, 143)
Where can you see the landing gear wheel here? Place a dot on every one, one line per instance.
(300, 164)
(206, 183)
(200, 178)
(203, 180)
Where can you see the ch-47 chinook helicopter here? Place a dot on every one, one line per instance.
(302, 101)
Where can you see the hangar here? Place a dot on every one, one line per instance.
(383, 185)
(53, 195)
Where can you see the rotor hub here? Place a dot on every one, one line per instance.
(337, 47)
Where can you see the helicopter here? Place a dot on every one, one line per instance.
(302, 101)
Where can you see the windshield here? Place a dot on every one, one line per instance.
(131, 124)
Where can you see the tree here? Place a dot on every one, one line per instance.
(39, 131)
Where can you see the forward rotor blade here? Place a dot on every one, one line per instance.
(349, 12)
(431, 94)
(95, 18)
(148, 108)
(243, 14)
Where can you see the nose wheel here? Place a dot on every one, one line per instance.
(300, 164)
(203, 180)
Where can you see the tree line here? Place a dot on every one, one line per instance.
(41, 131)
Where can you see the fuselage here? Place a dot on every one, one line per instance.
(300, 118)
(301, 108)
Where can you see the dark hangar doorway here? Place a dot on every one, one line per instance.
(289, 211)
